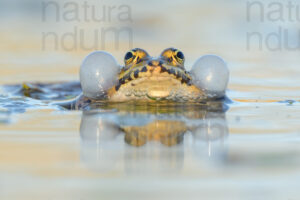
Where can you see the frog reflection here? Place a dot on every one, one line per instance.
(168, 132)
(149, 137)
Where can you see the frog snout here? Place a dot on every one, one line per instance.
(154, 63)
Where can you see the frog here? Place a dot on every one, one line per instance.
(147, 79)
(144, 78)
(153, 79)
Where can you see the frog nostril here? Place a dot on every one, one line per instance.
(154, 63)
(150, 63)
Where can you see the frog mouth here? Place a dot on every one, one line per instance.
(159, 82)
(154, 74)
(154, 88)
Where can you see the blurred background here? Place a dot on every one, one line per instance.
(47, 40)
(45, 153)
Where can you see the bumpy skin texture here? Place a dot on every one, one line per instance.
(151, 79)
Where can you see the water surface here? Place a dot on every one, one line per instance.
(248, 148)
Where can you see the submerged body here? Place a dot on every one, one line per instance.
(145, 78)
(142, 79)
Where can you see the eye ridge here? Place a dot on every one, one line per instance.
(128, 55)
(138, 60)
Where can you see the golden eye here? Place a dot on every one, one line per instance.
(135, 57)
(179, 57)
(167, 55)
(173, 57)
(128, 57)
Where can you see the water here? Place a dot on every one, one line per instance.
(248, 148)
(238, 148)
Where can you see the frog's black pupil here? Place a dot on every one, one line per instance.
(180, 55)
(128, 55)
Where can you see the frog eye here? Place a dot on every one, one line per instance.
(128, 57)
(135, 56)
(179, 57)
(173, 57)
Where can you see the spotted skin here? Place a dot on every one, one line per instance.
(152, 79)
(144, 78)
